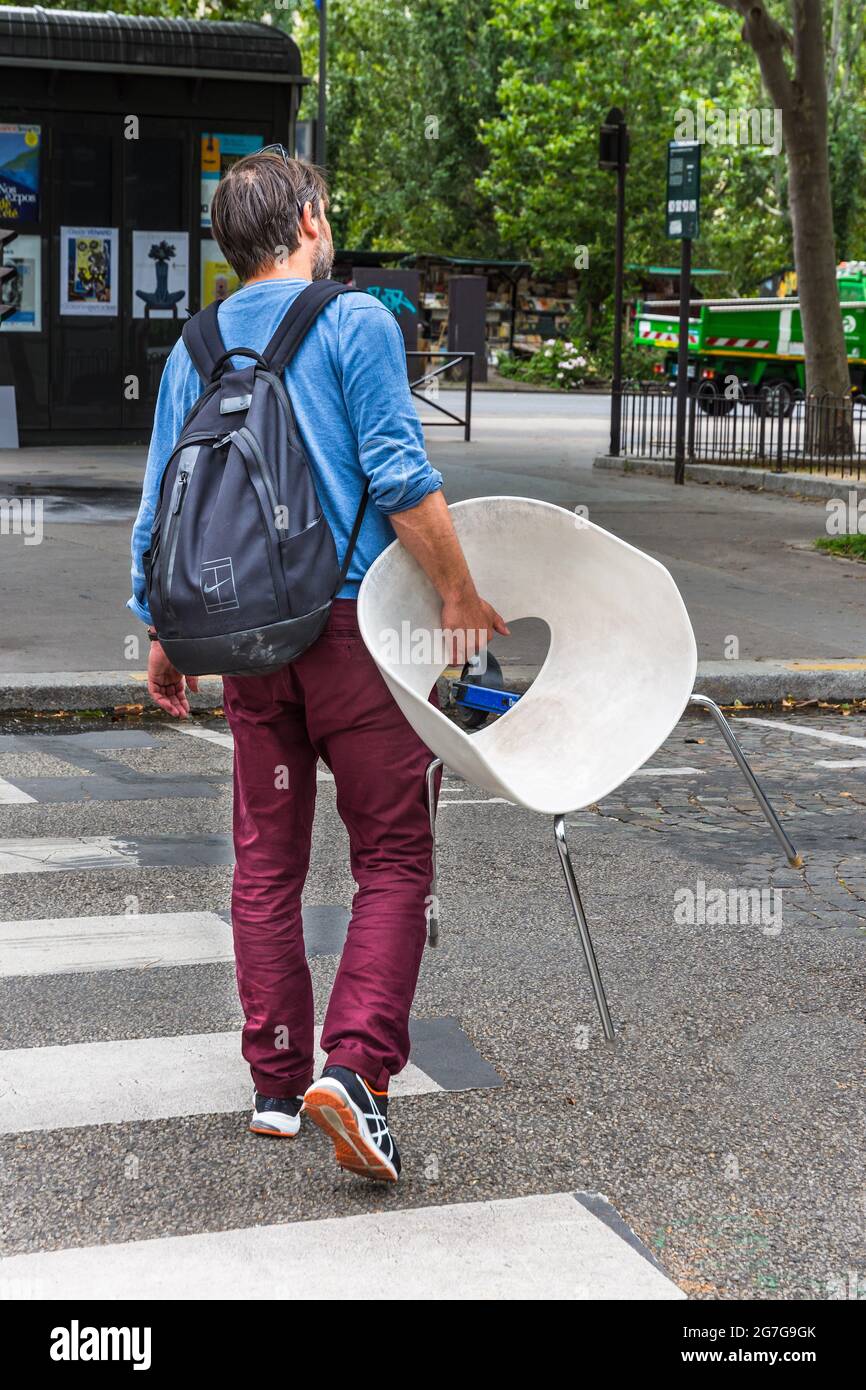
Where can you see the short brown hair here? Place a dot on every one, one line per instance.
(256, 209)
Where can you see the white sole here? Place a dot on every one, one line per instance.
(332, 1109)
(274, 1124)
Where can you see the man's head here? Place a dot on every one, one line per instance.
(269, 215)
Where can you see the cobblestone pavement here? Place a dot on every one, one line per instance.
(813, 782)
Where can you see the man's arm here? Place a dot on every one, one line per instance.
(177, 389)
(403, 484)
(427, 532)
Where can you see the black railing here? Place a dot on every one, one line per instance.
(777, 428)
(432, 375)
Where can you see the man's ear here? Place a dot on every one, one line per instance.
(307, 220)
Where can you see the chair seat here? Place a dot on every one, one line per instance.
(618, 673)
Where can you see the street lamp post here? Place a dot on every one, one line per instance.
(321, 138)
(613, 153)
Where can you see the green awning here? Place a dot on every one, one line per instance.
(672, 270)
(432, 258)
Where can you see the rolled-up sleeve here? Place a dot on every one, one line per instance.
(380, 406)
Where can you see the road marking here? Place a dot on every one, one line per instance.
(669, 772)
(85, 852)
(104, 740)
(69, 945)
(822, 734)
(225, 740)
(29, 856)
(549, 1247)
(209, 735)
(853, 665)
(128, 786)
(840, 762)
(136, 941)
(65, 1087)
(477, 801)
(642, 772)
(10, 795)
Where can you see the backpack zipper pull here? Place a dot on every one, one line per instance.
(182, 480)
(221, 443)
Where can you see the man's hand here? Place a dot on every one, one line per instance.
(427, 532)
(166, 685)
(472, 622)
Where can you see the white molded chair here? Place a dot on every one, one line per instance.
(618, 674)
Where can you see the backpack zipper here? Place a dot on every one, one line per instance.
(181, 484)
(264, 472)
(246, 441)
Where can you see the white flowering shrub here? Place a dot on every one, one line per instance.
(558, 362)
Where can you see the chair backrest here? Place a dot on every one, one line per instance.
(619, 669)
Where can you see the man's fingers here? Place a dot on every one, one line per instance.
(170, 698)
(501, 626)
(192, 682)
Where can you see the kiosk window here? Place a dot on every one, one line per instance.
(83, 165)
(153, 182)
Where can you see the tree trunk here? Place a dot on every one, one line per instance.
(801, 96)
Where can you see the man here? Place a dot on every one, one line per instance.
(349, 390)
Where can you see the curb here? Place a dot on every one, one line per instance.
(810, 485)
(749, 682)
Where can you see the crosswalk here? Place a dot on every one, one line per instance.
(540, 1247)
(90, 1080)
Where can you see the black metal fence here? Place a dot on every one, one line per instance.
(429, 381)
(776, 428)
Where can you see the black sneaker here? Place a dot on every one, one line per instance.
(279, 1117)
(356, 1118)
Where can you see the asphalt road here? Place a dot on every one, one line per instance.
(725, 1129)
(742, 560)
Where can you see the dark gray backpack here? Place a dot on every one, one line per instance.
(242, 567)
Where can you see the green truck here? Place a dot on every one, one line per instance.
(751, 349)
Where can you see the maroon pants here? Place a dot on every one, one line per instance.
(331, 704)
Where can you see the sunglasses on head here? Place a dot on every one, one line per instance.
(285, 156)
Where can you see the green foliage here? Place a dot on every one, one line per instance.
(846, 179)
(471, 127)
(409, 88)
(637, 362)
(559, 362)
(852, 546)
(571, 65)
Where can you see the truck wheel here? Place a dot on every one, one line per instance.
(713, 401)
(774, 398)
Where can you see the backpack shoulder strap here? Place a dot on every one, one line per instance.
(356, 529)
(291, 330)
(203, 340)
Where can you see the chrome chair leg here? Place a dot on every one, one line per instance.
(791, 854)
(582, 927)
(433, 902)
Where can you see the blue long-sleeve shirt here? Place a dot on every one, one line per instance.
(351, 398)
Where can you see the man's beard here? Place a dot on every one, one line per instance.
(323, 261)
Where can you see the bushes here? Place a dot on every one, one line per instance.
(559, 362)
(564, 364)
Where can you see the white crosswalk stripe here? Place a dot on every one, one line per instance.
(132, 1079)
(34, 856)
(69, 945)
(540, 1247)
(10, 795)
(225, 740)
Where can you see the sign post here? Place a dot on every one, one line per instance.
(683, 221)
(613, 153)
(321, 133)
